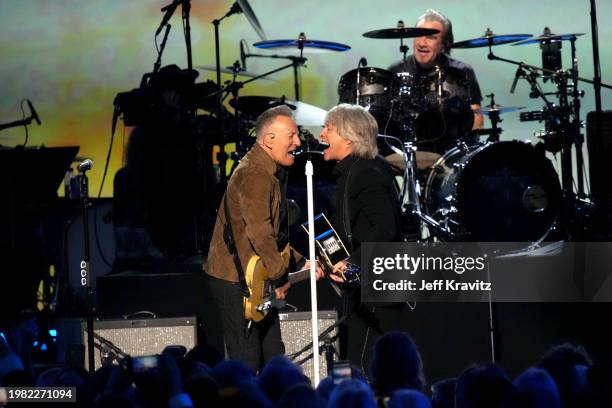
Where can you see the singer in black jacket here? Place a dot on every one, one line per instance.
(366, 210)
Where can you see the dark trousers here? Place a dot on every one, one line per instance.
(264, 338)
(366, 323)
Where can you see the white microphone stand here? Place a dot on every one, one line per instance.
(313, 279)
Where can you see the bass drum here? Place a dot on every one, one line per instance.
(494, 192)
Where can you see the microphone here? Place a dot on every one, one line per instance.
(242, 55)
(169, 9)
(362, 62)
(519, 73)
(33, 112)
(85, 165)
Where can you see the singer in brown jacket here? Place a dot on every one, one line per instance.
(253, 199)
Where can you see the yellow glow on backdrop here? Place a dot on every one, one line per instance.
(71, 57)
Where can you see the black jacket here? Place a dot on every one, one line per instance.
(371, 202)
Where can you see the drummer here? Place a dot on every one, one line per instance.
(434, 50)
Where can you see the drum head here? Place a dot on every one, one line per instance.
(508, 191)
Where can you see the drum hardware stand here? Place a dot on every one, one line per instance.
(570, 126)
(495, 119)
(222, 156)
(411, 201)
(296, 62)
(403, 48)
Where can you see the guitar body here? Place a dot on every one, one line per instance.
(262, 293)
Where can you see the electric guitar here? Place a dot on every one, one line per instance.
(263, 298)
(330, 250)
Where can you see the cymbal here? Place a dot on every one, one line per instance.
(304, 113)
(308, 115)
(229, 70)
(498, 108)
(310, 46)
(490, 39)
(403, 32)
(549, 38)
(250, 15)
(424, 159)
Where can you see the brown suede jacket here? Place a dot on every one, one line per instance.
(253, 198)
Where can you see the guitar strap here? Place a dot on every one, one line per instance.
(228, 237)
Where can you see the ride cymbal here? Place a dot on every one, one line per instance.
(490, 39)
(549, 38)
(307, 46)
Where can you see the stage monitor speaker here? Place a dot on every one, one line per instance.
(140, 337)
(297, 335)
(599, 143)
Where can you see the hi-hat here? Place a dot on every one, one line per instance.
(309, 46)
(549, 38)
(230, 70)
(304, 113)
(400, 32)
(487, 110)
(490, 39)
(250, 15)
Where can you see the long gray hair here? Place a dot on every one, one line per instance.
(356, 124)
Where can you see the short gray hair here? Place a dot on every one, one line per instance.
(268, 116)
(356, 124)
(447, 34)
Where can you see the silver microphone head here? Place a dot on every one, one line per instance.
(85, 165)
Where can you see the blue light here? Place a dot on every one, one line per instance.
(52, 332)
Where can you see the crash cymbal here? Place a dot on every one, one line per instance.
(549, 38)
(229, 70)
(303, 113)
(250, 15)
(490, 39)
(498, 109)
(400, 32)
(308, 115)
(424, 159)
(309, 46)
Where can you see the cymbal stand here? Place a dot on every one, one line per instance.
(222, 156)
(296, 62)
(568, 117)
(495, 119)
(403, 48)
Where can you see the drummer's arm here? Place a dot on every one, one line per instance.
(478, 118)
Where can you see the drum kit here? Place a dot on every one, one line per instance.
(456, 185)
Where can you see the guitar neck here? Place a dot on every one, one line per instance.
(299, 276)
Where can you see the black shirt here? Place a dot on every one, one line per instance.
(460, 77)
(366, 192)
(438, 126)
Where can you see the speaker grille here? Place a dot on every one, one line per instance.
(142, 337)
(297, 334)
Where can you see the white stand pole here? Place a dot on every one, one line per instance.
(313, 278)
